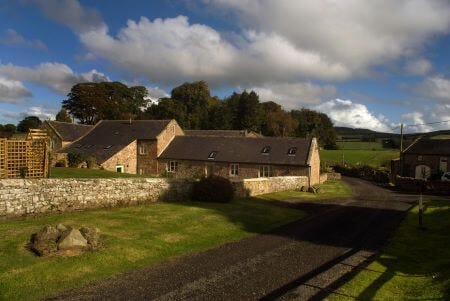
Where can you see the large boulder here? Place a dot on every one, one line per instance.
(92, 235)
(44, 241)
(72, 240)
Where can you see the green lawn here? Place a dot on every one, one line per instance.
(362, 157)
(360, 145)
(328, 190)
(69, 172)
(415, 265)
(133, 237)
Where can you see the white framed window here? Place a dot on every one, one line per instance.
(172, 166)
(234, 169)
(120, 168)
(265, 171)
(265, 150)
(142, 149)
(292, 151)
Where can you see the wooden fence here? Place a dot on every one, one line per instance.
(23, 158)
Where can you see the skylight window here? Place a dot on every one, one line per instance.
(108, 147)
(265, 150)
(212, 155)
(292, 151)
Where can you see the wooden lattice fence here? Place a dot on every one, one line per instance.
(23, 158)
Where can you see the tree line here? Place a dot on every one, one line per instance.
(192, 105)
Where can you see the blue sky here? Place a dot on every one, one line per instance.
(370, 64)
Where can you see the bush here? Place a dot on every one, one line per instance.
(60, 163)
(91, 162)
(364, 172)
(75, 159)
(213, 189)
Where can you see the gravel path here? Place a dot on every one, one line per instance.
(302, 260)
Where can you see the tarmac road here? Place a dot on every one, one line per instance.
(303, 260)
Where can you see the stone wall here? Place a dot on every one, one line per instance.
(252, 187)
(323, 178)
(22, 197)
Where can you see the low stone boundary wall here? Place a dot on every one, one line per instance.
(257, 186)
(19, 197)
(33, 196)
(323, 178)
(333, 176)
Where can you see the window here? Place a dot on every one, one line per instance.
(292, 151)
(142, 149)
(172, 166)
(212, 155)
(141, 171)
(265, 171)
(265, 150)
(419, 158)
(119, 168)
(234, 169)
(108, 147)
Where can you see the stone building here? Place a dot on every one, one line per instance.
(62, 134)
(127, 146)
(425, 158)
(242, 157)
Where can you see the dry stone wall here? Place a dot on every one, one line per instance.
(23, 197)
(19, 197)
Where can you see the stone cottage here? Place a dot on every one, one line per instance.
(62, 134)
(242, 157)
(130, 146)
(425, 158)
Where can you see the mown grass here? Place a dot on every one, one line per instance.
(358, 157)
(70, 172)
(133, 237)
(415, 265)
(360, 145)
(328, 190)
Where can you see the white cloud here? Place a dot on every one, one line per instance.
(349, 114)
(294, 95)
(435, 87)
(12, 91)
(419, 67)
(71, 13)
(12, 37)
(58, 77)
(429, 119)
(43, 113)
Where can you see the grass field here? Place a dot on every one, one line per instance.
(328, 190)
(360, 145)
(68, 172)
(415, 265)
(133, 237)
(362, 157)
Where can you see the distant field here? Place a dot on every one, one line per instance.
(370, 157)
(360, 145)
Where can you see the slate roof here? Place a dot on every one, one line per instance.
(69, 131)
(220, 133)
(430, 147)
(110, 136)
(239, 150)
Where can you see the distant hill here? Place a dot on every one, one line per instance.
(346, 133)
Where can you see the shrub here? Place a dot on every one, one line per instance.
(213, 189)
(75, 159)
(91, 162)
(364, 172)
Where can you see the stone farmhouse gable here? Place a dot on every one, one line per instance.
(242, 157)
(62, 134)
(426, 158)
(127, 146)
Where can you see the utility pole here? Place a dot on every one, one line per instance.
(401, 149)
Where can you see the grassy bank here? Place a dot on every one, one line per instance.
(328, 190)
(415, 265)
(133, 237)
(375, 158)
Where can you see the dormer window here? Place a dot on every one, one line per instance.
(265, 150)
(212, 155)
(108, 147)
(292, 151)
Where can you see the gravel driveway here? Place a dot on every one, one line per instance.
(303, 260)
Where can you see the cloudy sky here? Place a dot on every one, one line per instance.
(370, 64)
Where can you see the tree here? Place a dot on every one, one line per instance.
(315, 124)
(91, 102)
(246, 113)
(63, 116)
(29, 122)
(276, 121)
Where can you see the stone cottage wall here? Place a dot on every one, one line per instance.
(252, 187)
(126, 157)
(22, 197)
